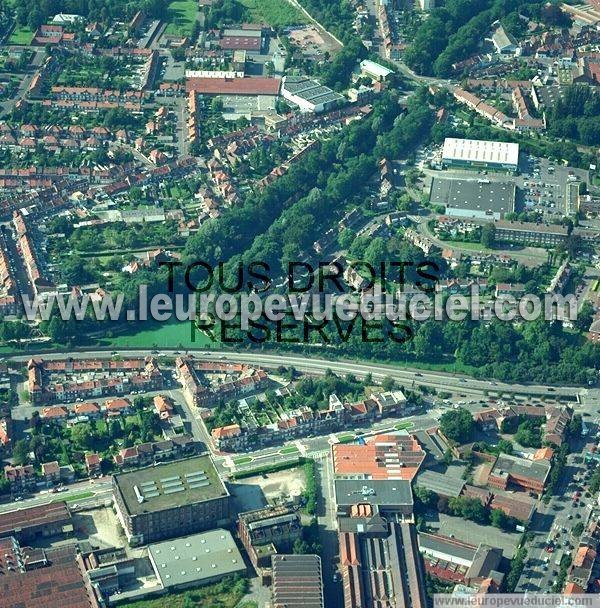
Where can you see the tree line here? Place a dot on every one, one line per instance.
(35, 13)
(454, 31)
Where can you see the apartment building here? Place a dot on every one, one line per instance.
(528, 233)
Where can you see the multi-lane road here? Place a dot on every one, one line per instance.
(88, 493)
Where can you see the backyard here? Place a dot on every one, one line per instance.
(21, 35)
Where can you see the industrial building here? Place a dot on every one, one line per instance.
(265, 532)
(374, 70)
(442, 485)
(478, 199)
(380, 564)
(381, 495)
(309, 95)
(196, 560)
(165, 501)
(48, 578)
(27, 525)
(453, 560)
(386, 456)
(527, 474)
(480, 154)
(504, 42)
(297, 581)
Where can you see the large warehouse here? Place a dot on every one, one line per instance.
(471, 198)
(480, 154)
(309, 95)
(196, 560)
(175, 498)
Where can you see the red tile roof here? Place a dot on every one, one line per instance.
(234, 86)
(61, 584)
(33, 516)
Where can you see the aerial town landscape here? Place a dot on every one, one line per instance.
(161, 452)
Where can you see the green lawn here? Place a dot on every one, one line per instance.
(290, 449)
(163, 335)
(242, 460)
(277, 13)
(467, 245)
(402, 426)
(74, 497)
(21, 35)
(346, 438)
(181, 16)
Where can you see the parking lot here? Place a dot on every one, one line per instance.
(544, 187)
(541, 184)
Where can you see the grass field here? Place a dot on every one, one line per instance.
(176, 335)
(181, 16)
(210, 595)
(346, 438)
(402, 426)
(277, 13)
(290, 449)
(21, 35)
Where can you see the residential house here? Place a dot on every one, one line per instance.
(51, 472)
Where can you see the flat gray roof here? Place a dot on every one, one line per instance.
(190, 559)
(169, 485)
(431, 542)
(381, 492)
(474, 195)
(521, 467)
(446, 485)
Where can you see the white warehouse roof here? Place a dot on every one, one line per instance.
(375, 68)
(480, 151)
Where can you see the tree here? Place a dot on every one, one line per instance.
(4, 485)
(578, 529)
(426, 497)
(529, 435)
(575, 426)
(83, 436)
(388, 384)
(457, 425)
(499, 519)
(488, 235)
(300, 547)
(585, 316)
(20, 452)
(468, 508)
